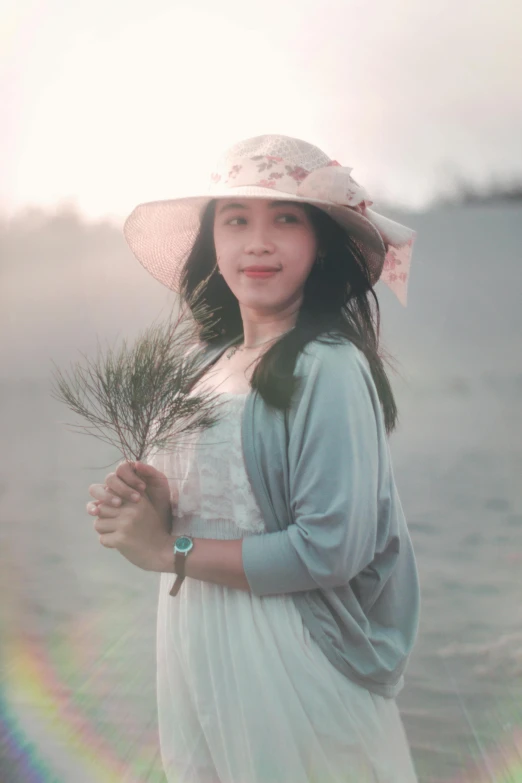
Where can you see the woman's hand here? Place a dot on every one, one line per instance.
(129, 483)
(137, 530)
(134, 513)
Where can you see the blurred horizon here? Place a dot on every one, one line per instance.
(459, 191)
(91, 287)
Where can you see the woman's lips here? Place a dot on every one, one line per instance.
(260, 274)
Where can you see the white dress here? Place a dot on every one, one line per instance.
(244, 693)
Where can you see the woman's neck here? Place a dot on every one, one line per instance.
(260, 331)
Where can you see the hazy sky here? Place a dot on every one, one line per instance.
(110, 103)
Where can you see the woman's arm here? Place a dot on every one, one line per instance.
(211, 560)
(339, 482)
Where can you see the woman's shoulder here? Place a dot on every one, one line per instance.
(332, 356)
(335, 381)
(332, 372)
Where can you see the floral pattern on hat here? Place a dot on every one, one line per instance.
(335, 184)
(266, 162)
(332, 183)
(234, 171)
(396, 269)
(297, 173)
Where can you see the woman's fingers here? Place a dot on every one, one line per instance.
(102, 493)
(123, 485)
(127, 474)
(99, 509)
(92, 508)
(109, 540)
(120, 488)
(158, 487)
(103, 525)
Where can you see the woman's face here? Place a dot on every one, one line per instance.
(260, 232)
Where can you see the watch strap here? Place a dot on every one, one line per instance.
(177, 584)
(180, 560)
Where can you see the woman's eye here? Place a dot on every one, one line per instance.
(241, 221)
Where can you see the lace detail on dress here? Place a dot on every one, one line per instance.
(210, 474)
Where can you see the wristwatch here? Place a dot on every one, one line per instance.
(182, 546)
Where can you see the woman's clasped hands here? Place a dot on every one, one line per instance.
(133, 511)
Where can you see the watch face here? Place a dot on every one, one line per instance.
(183, 544)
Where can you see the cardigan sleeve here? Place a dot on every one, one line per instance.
(333, 462)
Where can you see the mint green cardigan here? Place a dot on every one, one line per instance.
(337, 540)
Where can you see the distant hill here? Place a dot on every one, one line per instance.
(495, 194)
(465, 296)
(65, 280)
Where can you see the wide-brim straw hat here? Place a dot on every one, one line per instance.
(161, 234)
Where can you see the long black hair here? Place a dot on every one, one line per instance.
(336, 306)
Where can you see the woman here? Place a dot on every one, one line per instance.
(283, 641)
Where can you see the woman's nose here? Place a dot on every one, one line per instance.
(259, 241)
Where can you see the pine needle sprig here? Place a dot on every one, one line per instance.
(137, 397)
